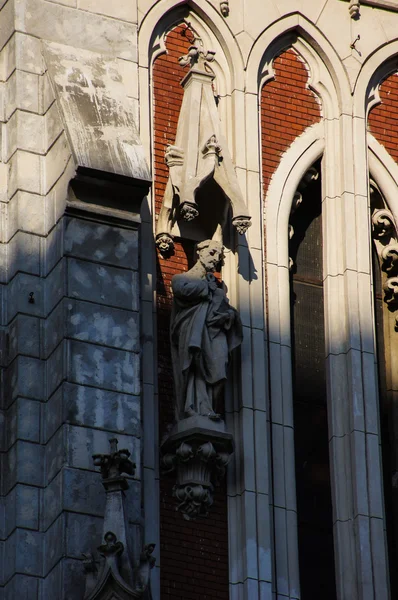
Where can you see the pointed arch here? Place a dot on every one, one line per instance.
(328, 75)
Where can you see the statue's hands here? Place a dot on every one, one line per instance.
(212, 282)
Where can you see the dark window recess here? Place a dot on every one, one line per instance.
(314, 502)
(388, 430)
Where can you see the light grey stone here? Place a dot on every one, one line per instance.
(29, 552)
(51, 585)
(51, 248)
(101, 409)
(102, 325)
(25, 465)
(101, 243)
(18, 296)
(101, 127)
(23, 254)
(102, 284)
(22, 508)
(104, 367)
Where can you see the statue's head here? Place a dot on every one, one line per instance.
(211, 254)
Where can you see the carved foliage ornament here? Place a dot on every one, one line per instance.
(193, 162)
(385, 235)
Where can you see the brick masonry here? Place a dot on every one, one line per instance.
(194, 556)
(288, 107)
(383, 122)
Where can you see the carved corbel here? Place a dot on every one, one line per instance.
(354, 8)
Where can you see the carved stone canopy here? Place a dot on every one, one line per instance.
(198, 157)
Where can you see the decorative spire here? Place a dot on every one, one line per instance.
(112, 574)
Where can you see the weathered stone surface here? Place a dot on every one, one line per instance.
(102, 284)
(52, 330)
(23, 464)
(54, 543)
(23, 421)
(98, 113)
(25, 378)
(22, 507)
(102, 325)
(104, 367)
(56, 368)
(24, 553)
(22, 587)
(83, 533)
(79, 29)
(91, 407)
(101, 243)
(24, 336)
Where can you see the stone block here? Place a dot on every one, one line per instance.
(32, 213)
(23, 421)
(52, 330)
(83, 534)
(24, 377)
(54, 544)
(22, 508)
(51, 501)
(118, 9)
(104, 367)
(27, 91)
(82, 443)
(52, 414)
(54, 163)
(24, 463)
(23, 254)
(79, 29)
(24, 336)
(22, 587)
(101, 243)
(55, 369)
(25, 169)
(56, 453)
(18, 295)
(46, 94)
(7, 59)
(101, 409)
(102, 284)
(50, 585)
(102, 325)
(7, 22)
(73, 578)
(55, 287)
(24, 552)
(28, 53)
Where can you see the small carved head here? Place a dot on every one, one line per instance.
(211, 254)
(224, 8)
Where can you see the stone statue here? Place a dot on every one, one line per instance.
(204, 330)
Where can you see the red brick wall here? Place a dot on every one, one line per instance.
(194, 555)
(383, 119)
(288, 107)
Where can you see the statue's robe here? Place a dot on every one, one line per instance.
(204, 330)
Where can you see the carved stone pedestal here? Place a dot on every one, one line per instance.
(198, 450)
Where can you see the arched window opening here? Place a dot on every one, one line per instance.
(314, 501)
(385, 285)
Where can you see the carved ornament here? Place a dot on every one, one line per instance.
(200, 154)
(111, 574)
(224, 8)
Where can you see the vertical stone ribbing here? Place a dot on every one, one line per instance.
(194, 556)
